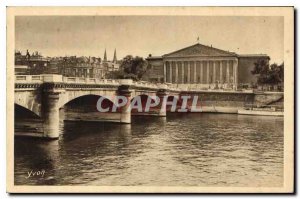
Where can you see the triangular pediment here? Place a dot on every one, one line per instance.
(199, 50)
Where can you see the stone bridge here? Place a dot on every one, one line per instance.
(44, 95)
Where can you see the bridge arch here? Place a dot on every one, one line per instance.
(25, 111)
(30, 105)
(173, 98)
(142, 101)
(68, 96)
(89, 102)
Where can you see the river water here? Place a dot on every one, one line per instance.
(196, 149)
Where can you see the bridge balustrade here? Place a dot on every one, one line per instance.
(117, 82)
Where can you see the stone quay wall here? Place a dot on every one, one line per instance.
(230, 102)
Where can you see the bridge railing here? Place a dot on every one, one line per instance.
(145, 84)
(60, 78)
(82, 80)
(116, 82)
(29, 78)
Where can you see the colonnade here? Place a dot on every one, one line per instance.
(201, 72)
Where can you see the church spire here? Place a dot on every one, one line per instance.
(115, 57)
(105, 57)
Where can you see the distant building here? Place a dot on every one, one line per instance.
(155, 71)
(204, 65)
(54, 65)
(21, 65)
(70, 66)
(92, 67)
(81, 67)
(111, 65)
(36, 63)
(21, 69)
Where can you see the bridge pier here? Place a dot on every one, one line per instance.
(161, 93)
(51, 115)
(125, 115)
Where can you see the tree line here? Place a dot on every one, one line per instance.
(268, 74)
(131, 68)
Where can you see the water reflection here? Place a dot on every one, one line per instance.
(182, 149)
(43, 156)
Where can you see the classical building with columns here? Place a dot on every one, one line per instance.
(203, 66)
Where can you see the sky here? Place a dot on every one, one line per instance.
(144, 35)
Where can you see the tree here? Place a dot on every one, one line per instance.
(268, 74)
(133, 67)
(261, 68)
(118, 74)
(276, 74)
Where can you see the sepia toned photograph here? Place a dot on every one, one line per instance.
(150, 100)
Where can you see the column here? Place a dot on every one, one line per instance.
(165, 72)
(227, 72)
(50, 109)
(214, 72)
(176, 72)
(207, 72)
(235, 66)
(189, 72)
(201, 72)
(195, 72)
(182, 72)
(221, 73)
(233, 73)
(170, 65)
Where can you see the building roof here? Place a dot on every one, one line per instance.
(200, 50)
(254, 55)
(154, 57)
